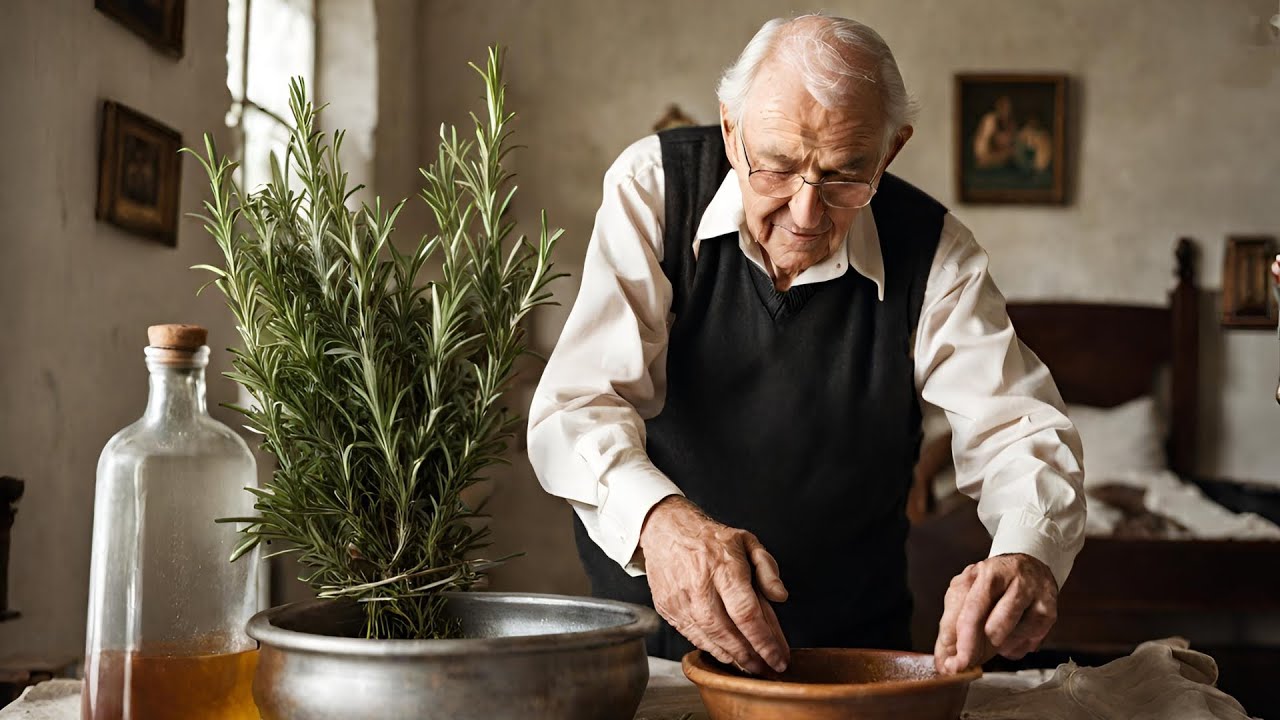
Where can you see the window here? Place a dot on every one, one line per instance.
(268, 43)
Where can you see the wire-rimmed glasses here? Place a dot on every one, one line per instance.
(844, 194)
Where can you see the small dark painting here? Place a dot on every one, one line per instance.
(139, 173)
(1246, 283)
(1011, 138)
(159, 22)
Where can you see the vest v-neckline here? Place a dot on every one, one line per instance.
(780, 304)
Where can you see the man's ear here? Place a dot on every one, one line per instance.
(726, 131)
(899, 140)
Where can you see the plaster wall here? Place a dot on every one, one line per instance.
(77, 295)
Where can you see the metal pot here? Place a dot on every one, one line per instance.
(524, 656)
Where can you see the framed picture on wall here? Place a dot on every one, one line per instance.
(1246, 283)
(159, 22)
(139, 173)
(1010, 138)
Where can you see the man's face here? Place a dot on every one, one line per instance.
(785, 129)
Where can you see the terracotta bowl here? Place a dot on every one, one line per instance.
(832, 684)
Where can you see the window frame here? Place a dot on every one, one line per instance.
(240, 102)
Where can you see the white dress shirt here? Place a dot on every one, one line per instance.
(1015, 451)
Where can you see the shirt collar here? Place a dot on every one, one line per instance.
(860, 247)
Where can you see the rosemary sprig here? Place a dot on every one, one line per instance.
(378, 393)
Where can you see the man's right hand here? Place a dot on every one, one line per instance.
(700, 575)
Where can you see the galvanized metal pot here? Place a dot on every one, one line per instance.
(523, 656)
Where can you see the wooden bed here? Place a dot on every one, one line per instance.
(1121, 592)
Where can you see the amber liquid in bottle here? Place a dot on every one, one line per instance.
(165, 633)
(134, 686)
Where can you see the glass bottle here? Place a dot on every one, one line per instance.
(167, 610)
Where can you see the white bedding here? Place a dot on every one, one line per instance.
(1124, 446)
(1167, 495)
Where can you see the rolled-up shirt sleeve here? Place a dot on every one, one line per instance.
(1015, 450)
(607, 372)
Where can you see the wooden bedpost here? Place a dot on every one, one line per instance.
(1185, 372)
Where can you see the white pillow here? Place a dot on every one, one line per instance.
(1124, 439)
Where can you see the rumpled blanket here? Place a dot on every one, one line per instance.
(1177, 509)
(1160, 680)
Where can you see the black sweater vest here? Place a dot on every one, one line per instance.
(793, 415)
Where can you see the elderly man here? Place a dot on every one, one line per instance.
(734, 407)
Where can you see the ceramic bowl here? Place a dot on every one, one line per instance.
(832, 684)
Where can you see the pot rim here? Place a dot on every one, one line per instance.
(705, 673)
(644, 621)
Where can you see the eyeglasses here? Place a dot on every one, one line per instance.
(844, 194)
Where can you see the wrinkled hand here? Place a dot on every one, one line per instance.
(700, 574)
(1005, 604)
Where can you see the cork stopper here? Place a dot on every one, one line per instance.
(177, 346)
(187, 338)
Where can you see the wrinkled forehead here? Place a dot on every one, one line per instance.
(781, 112)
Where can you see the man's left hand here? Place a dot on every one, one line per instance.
(1005, 604)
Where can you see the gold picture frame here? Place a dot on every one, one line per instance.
(139, 173)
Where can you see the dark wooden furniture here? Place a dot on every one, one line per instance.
(11, 681)
(10, 490)
(1106, 355)
(1122, 592)
(1246, 283)
(17, 673)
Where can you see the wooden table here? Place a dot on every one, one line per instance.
(669, 695)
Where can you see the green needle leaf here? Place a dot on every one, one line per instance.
(377, 364)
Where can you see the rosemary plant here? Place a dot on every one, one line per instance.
(379, 393)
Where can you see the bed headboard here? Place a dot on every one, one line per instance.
(1105, 355)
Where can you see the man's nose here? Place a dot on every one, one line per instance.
(807, 207)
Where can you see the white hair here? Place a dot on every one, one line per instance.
(824, 51)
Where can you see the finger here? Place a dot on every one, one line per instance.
(742, 608)
(702, 622)
(771, 618)
(1036, 623)
(671, 606)
(971, 641)
(700, 640)
(713, 620)
(1018, 650)
(723, 632)
(751, 611)
(1007, 615)
(768, 577)
(684, 624)
(945, 646)
(1019, 647)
